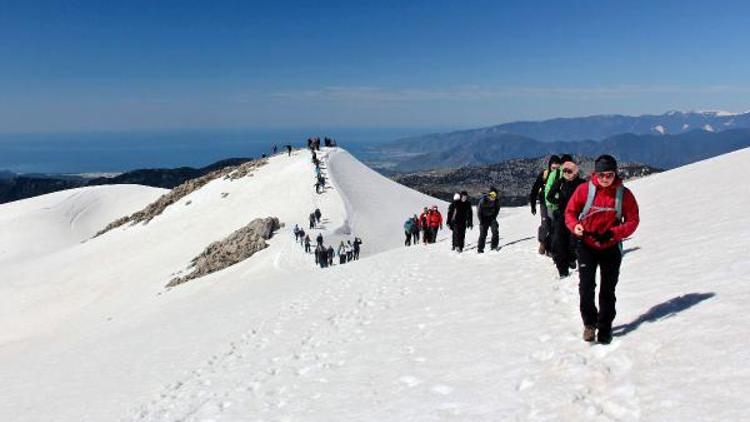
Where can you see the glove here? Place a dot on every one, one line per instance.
(603, 237)
(533, 210)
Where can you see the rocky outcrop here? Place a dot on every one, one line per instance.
(239, 246)
(155, 208)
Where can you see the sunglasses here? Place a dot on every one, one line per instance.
(568, 171)
(606, 175)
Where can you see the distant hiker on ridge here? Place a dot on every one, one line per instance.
(415, 230)
(342, 253)
(424, 224)
(408, 230)
(356, 246)
(601, 213)
(435, 221)
(318, 214)
(459, 218)
(487, 212)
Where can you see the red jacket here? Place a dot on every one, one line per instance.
(435, 219)
(600, 222)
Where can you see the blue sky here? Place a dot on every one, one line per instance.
(79, 66)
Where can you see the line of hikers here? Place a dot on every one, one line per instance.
(347, 251)
(458, 219)
(320, 180)
(428, 223)
(586, 221)
(275, 149)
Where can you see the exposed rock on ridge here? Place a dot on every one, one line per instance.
(155, 208)
(240, 245)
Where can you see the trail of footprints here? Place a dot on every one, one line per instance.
(595, 379)
(248, 375)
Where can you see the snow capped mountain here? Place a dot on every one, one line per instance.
(659, 129)
(708, 128)
(420, 333)
(718, 113)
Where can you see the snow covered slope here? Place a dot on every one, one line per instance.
(47, 223)
(419, 333)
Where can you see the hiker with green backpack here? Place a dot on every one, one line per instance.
(563, 244)
(601, 214)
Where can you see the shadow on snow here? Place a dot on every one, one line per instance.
(663, 310)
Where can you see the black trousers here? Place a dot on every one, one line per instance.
(563, 246)
(495, 241)
(545, 227)
(415, 237)
(459, 235)
(407, 242)
(608, 261)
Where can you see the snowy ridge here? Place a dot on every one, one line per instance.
(414, 333)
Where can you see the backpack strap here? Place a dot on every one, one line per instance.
(618, 202)
(589, 201)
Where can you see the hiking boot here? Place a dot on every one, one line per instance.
(604, 337)
(542, 250)
(589, 332)
(480, 250)
(565, 274)
(572, 265)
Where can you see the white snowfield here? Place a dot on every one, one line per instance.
(89, 333)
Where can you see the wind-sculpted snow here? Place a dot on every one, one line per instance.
(239, 246)
(376, 208)
(156, 208)
(49, 223)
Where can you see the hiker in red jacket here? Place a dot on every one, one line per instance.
(601, 214)
(424, 224)
(435, 220)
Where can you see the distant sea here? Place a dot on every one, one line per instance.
(112, 152)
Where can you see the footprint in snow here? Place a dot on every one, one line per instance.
(410, 381)
(442, 389)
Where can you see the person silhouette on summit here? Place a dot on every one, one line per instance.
(601, 213)
(487, 212)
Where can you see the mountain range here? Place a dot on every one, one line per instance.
(513, 178)
(666, 141)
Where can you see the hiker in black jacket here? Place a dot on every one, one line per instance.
(563, 244)
(459, 218)
(537, 194)
(487, 211)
